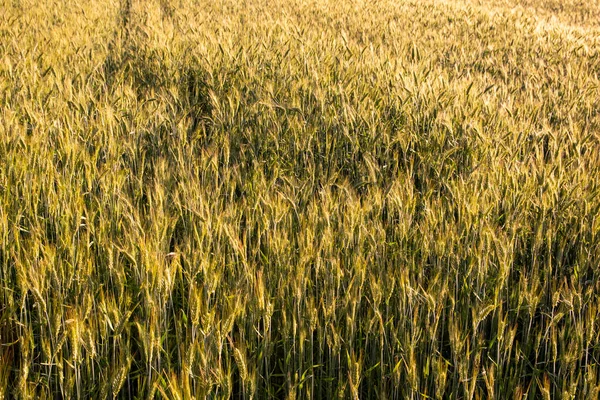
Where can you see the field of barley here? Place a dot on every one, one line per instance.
(296, 199)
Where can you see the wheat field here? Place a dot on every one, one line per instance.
(295, 199)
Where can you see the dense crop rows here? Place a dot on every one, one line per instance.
(299, 199)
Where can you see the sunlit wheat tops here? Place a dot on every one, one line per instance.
(299, 199)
